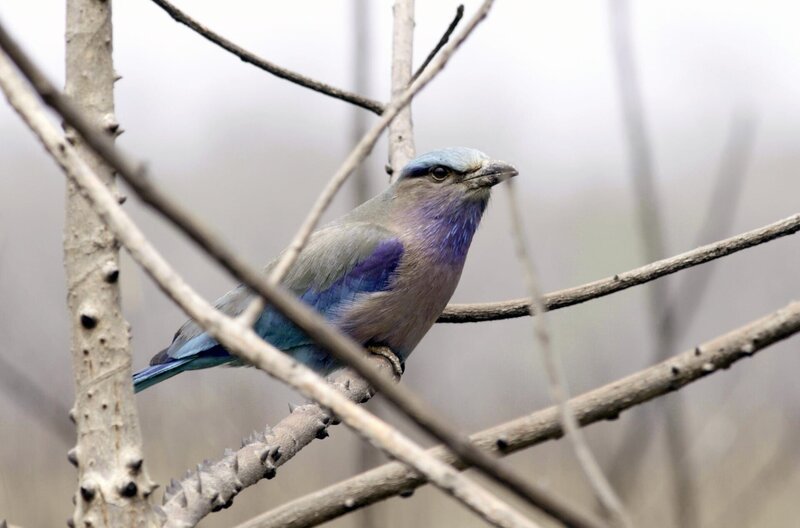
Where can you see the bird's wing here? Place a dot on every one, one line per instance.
(339, 263)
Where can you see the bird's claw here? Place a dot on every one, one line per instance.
(398, 365)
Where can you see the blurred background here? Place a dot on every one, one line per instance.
(536, 85)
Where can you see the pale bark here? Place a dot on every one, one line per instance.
(604, 403)
(113, 486)
(401, 130)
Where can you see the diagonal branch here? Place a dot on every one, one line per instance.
(241, 341)
(246, 56)
(604, 403)
(442, 41)
(556, 379)
(494, 311)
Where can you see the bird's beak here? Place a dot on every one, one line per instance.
(492, 173)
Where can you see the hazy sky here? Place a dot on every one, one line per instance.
(534, 85)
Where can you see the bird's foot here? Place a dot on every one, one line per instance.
(398, 365)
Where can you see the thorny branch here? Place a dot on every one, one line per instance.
(556, 379)
(494, 311)
(339, 345)
(241, 341)
(246, 56)
(604, 403)
(113, 485)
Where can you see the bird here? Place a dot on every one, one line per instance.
(381, 273)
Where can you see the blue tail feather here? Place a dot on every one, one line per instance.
(157, 373)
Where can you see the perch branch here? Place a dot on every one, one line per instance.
(246, 56)
(210, 492)
(556, 379)
(339, 345)
(493, 311)
(604, 403)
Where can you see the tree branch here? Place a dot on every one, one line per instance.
(401, 130)
(246, 56)
(604, 403)
(494, 311)
(442, 41)
(113, 484)
(241, 341)
(340, 346)
(556, 380)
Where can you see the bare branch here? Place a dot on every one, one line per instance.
(401, 130)
(556, 380)
(604, 403)
(246, 56)
(340, 346)
(241, 341)
(113, 485)
(442, 41)
(494, 311)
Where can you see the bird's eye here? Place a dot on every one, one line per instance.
(439, 173)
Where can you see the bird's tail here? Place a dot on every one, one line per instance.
(157, 373)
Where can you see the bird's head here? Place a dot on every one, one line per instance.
(456, 172)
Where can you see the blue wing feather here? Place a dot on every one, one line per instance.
(340, 263)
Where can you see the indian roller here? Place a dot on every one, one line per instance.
(382, 273)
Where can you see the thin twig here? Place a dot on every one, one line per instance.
(495, 311)
(441, 43)
(246, 56)
(240, 340)
(339, 345)
(604, 403)
(556, 379)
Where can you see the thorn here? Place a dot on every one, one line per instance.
(199, 480)
(236, 463)
(182, 500)
(228, 452)
(675, 370)
(501, 443)
(276, 454)
(72, 456)
(70, 523)
(264, 455)
(292, 408)
(322, 433)
(697, 351)
(87, 491)
(135, 464)
(129, 490)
